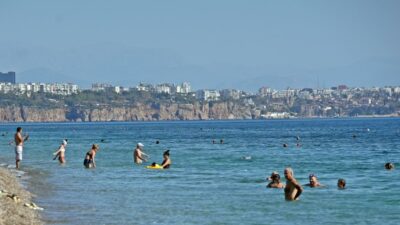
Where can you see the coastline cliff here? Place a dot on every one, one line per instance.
(136, 112)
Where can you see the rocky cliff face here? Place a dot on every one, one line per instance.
(138, 112)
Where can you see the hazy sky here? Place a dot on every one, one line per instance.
(212, 44)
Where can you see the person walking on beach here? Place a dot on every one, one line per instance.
(293, 189)
(90, 155)
(138, 155)
(19, 145)
(60, 153)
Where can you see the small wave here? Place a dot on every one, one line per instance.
(10, 166)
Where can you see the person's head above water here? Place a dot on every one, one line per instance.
(274, 176)
(288, 173)
(313, 180)
(19, 129)
(166, 153)
(341, 183)
(389, 166)
(64, 142)
(95, 147)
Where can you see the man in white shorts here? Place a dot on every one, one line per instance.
(19, 146)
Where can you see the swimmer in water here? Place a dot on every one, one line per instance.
(60, 153)
(292, 189)
(389, 166)
(275, 179)
(285, 145)
(221, 141)
(247, 157)
(313, 181)
(341, 184)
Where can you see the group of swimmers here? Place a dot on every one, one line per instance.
(292, 188)
(89, 160)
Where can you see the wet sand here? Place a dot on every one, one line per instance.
(12, 202)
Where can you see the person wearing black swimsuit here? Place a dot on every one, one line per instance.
(167, 161)
(89, 157)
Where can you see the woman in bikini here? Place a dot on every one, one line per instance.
(90, 155)
(60, 153)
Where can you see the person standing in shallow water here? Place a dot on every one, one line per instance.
(292, 189)
(19, 146)
(60, 153)
(138, 155)
(167, 160)
(89, 161)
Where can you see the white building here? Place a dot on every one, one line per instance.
(116, 89)
(27, 88)
(183, 88)
(144, 87)
(163, 88)
(265, 91)
(208, 95)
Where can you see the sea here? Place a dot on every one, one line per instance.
(212, 183)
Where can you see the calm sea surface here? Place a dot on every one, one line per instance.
(212, 183)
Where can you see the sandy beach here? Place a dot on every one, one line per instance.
(15, 202)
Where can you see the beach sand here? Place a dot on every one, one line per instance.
(13, 211)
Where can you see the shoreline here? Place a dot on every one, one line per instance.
(16, 206)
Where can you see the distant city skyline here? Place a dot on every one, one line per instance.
(211, 44)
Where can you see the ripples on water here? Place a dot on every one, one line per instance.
(213, 183)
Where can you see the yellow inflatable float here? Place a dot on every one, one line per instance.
(155, 167)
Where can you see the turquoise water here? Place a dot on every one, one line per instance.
(212, 183)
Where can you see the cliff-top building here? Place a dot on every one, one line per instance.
(208, 95)
(183, 88)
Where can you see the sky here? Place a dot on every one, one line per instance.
(214, 44)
